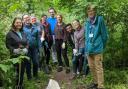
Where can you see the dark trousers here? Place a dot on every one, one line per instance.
(28, 69)
(20, 68)
(80, 62)
(33, 54)
(41, 56)
(60, 51)
(47, 54)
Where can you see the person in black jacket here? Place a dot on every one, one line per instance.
(70, 35)
(17, 44)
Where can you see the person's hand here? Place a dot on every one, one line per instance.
(63, 45)
(75, 51)
(25, 51)
(42, 39)
(17, 51)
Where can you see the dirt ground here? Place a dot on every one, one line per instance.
(65, 82)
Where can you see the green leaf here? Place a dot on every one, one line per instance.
(4, 68)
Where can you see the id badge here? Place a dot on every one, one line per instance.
(91, 35)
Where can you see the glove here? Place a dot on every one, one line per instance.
(25, 51)
(63, 45)
(17, 51)
(75, 51)
(42, 39)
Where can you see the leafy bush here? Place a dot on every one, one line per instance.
(7, 72)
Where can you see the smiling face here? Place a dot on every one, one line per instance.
(28, 20)
(59, 18)
(52, 12)
(91, 11)
(18, 24)
(43, 19)
(24, 18)
(76, 24)
(33, 20)
(69, 28)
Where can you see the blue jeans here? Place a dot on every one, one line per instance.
(80, 62)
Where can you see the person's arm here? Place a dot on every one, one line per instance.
(49, 28)
(38, 38)
(42, 38)
(104, 32)
(64, 33)
(76, 41)
(9, 45)
(43, 35)
(64, 37)
(50, 39)
(9, 42)
(27, 45)
(71, 43)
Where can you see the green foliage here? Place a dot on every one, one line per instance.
(115, 13)
(39, 83)
(7, 73)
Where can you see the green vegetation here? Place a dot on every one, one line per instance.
(115, 13)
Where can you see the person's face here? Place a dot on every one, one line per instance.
(24, 18)
(52, 13)
(33, 20)
(69, 28)
(43, 19)
(18, 24)
(28, 20)
(91, 13)
(59, 19)
(76, 25)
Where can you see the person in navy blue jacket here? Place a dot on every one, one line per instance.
(33, 38)
(96, 38)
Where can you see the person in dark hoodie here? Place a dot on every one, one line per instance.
(16, 42)
(61, 47)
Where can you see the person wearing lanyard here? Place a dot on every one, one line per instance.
(96, 38)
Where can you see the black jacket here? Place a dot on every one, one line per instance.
(13, 41)
(70, 39)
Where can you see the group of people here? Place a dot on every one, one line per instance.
(52, 37)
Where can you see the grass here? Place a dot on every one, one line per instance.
(39, 83)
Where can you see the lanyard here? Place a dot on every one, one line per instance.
(91, 32)
(91, 29)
